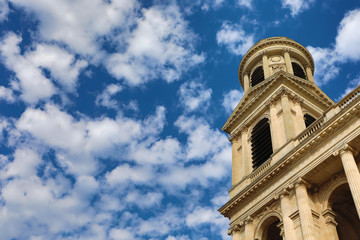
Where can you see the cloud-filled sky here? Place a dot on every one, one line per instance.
(111, 110)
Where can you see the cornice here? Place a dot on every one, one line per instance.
(305, 145)
(286, 78)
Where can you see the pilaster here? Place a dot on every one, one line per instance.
(246, 82)
(306, 220)
(236, 162)
(309, 74)
(287, 115)
(265, 62)
(288, 61)
(246, 154)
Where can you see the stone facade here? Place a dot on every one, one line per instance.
(309, 187)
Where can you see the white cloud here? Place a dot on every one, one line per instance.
(202, 140)
(296, 6)
(7, 94)
(104, 99)
(348, 37)
(62, 65)
(328, 60)
(4, 10)
(24, 164)
(245, 3)
(28, 68)
(231, 99)
(121, 234)
(326, 64)
(194, 96)
(147, 44)
(205, 216)
(161, 46)
(125, 173)
(66, 22)
(34, 85)
(137, 198)
(351, 85)
(234, 38)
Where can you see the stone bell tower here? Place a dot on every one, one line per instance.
(294, 151)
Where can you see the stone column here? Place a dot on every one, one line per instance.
(331, 233)
(300, 123)
(306, 220)
(309, 74)
(236, 233)
(287, 115)
(236, 162)
(288, 224)
(246, 154)
(266, 67)
(288, 61)
(277, 134)
(246, 82)
(249, 229)
(352, 174)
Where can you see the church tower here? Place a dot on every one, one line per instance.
(295, 161)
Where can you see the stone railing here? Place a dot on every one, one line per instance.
(260, 170)
(311, 129)
(349, 98)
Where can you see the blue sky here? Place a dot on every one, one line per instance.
(111, 110)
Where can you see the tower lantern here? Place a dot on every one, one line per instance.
(272, 55)
(295, 158)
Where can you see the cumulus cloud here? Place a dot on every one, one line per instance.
(245, 3)
(146, 44)
(28, 68)
(328, 60)
(348, 37)
(194, 95)
(104, 99)
(296, 6)
(66, 22)
(234, 38)
(231, 99)
(121, 234)
(161, 46)
(4, 10)
(7, 94)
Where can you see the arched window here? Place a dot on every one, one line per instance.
(298, 71)
(257, 76)
(308, 119)
(261, 144)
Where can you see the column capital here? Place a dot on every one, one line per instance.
(343, 149)
(297, 100)
(288, 50)
(248, 220)
(284, 92)
(263, 53)
(271, 102)
(284, 193)
(301, 182)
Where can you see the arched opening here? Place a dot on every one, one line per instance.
(257, 76)
(298, 71)
(261, 144)
(269, 229)
(308, 119)
(348, 223)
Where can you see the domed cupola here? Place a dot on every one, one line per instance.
(271, 55)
